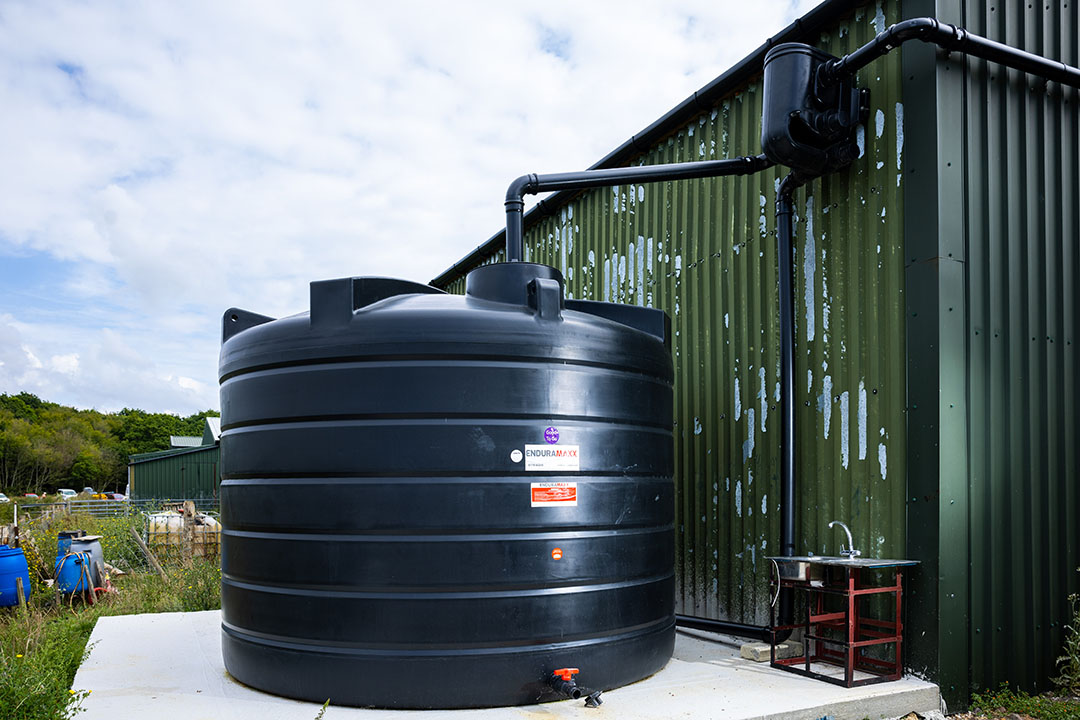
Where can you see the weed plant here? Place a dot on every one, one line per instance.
(1069, 661)
(1005, 701)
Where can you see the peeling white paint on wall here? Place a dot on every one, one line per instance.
(738, 498)
(860, 139)
(764, 395)
(899, 140)
(809, 266)
(879, 123)
(809, 380)
(862, 420)
(825, 402)
(697, 426)
(678, 266)
(879, 20)
(825, 307)
(748, 444)
(641, 270)
(844, 429)
(738, 400)
(725, 319)
(882, 459)
(607, 278)
(764, 510)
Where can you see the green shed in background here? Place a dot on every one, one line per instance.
(180, 473)
(936, 310)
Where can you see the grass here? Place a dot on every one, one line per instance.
(41, 648)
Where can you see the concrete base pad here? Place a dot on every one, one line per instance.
(169, 666)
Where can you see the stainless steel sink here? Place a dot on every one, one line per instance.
(812, 567)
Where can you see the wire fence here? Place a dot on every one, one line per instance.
(111, 508)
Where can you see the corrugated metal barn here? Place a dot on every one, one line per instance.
(180, 473)
(937, 406)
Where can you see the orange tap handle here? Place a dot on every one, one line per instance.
(566, 674)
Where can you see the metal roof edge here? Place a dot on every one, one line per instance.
(735, 76)
(159, 454)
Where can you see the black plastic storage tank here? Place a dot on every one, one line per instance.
(435, 501)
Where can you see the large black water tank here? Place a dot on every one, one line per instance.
(433, 500)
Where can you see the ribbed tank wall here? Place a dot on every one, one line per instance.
(389, 539)
(705, 252)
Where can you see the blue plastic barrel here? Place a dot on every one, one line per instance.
(12, 565)
(70, 577)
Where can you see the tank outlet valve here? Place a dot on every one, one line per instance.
(562, 682)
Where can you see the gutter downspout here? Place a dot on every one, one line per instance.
(785, 258)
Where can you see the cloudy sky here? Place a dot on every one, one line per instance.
(161, 162)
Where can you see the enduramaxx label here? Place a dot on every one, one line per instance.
(552, 457)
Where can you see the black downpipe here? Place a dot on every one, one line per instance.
(531, 184)
(785, 258)
(953, 38)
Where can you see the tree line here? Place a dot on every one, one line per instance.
(44, 445)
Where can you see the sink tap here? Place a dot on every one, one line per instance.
(852, 552)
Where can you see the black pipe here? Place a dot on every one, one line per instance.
(785, 258)
(752, 632)
(529, 184)
(953, 38)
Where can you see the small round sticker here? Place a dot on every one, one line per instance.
(516, 455)
(551, 435)
(556, 554)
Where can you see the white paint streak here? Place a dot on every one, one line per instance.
(641, 270)
(764, 511)
(899, 137)
(738, 498)
(697, 426)
(844, 429)
(879, 20)
(738, 400)
(725, 319)
(809, 265)
(860, 139)
(825, 402)
(764, 395)
(882, 460)
(879, 123)
(748, 445)
(862, 420)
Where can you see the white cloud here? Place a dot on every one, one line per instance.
(184, 158)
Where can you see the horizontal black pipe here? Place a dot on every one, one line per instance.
(951, 37)
(531, 184)
(751, 632)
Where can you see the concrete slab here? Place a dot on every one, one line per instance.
(169, 666)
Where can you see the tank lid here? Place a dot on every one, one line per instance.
(509, 282)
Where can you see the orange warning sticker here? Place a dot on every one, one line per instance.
(554, 494)
(556, 554)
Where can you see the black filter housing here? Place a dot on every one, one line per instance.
(435, 501)
(806, 124)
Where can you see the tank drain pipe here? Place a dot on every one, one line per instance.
(532, 184)
(951, 38)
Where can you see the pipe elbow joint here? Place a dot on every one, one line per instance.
(521, 187)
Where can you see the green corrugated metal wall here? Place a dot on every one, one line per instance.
(183, 475)
(705, 252)
(997, 389)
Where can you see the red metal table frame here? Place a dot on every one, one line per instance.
(859, 632)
